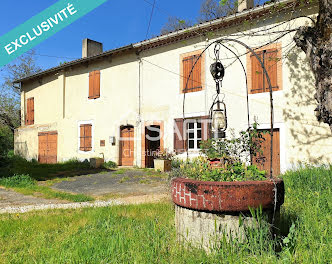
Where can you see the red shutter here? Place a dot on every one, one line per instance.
(179, 136)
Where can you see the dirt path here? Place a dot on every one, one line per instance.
(10, 198)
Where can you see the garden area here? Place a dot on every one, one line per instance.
(146, 233)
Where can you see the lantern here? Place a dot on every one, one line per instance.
(218, 120)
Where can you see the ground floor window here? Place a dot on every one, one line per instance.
(194, 131)
(86, 137)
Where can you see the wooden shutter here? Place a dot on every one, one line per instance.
(257, 84)
(194, 83)
(30, 113)
(86, 137)
(271, 65)
(91, 85)
(179, 136)
(82, 133)
(94, 85)
(262, 160)
(97, 84)
(205, 128)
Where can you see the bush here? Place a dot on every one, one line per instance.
(18, 180)
(110, 165)
(200, 169)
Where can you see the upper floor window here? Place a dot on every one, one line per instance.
(86, 137)
(94, 85)
(195, 81)
(30, 111)
(271, 59)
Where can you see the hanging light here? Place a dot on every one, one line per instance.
(218, 115)
(219, 120)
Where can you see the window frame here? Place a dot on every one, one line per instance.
(195, 130)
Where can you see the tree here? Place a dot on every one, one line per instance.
(316, 42)
(212, 9)
(23, 66)
(174, 24)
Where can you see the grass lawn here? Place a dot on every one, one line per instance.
(146, 233)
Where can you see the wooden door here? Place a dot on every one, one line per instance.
(262, 161)
(127, 146)
(48, 147)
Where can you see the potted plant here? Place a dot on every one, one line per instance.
(218, 196)
(163, 160)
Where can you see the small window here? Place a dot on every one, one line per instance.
(194, 83)
(270, 59)
(194, 131)
(94, 85)
(30, 112)
(86, 137)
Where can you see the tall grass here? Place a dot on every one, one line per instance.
(146, 233)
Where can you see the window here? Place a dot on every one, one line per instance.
(190, 132)
(30, 112)
(86, 137)
(94, 85)
(194, 136)
(271, 58)
(196, 80)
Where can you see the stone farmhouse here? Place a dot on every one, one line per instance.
(111, 104)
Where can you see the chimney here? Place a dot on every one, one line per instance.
(91, 48)
(244, 5)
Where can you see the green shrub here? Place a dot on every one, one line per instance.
(200, 169)
(110, 165)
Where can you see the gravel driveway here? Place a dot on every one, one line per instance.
(122, 182)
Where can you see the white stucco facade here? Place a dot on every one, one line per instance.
(145, 87)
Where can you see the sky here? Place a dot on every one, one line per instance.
(115, 24)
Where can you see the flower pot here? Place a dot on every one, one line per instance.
(205, 210)
(96, 162)
(162, 165)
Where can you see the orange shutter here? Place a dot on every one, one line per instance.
(91, 85)
(256, 74)
(30, 116)
(271, 65)
(88, 137)
(82, 135)
(186, 62)
(32, 111)
(197, 85)
(96, 84)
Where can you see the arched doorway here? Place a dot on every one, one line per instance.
(126, 157)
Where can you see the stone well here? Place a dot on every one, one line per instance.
(205, 211)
